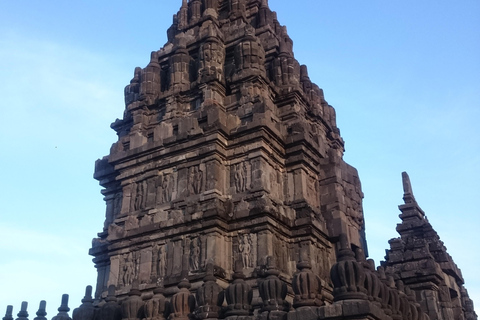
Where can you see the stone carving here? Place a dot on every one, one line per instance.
(159, 262)
(212, 56)
(245, 249)
(240, 177)
(128, 269)
(195, 180)
(140, 195)
(165, 188)
(195, 254)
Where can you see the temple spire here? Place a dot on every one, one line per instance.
(407, 189)
(410, 209)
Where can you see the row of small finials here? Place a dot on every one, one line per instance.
(41, 313)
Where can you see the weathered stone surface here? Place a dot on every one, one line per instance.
(227, 153)
(420, 261)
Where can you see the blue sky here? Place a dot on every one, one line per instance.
(403, 77)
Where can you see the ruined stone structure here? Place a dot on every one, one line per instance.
(227, 151)
(227, 196)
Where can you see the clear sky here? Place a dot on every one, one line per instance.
(402, 75)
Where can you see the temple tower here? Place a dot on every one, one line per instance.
(420, 260)
(226, 152)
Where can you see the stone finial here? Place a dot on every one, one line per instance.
(265, 16)
(348, 275)
(394, 298)
(304, 73)
(211, 7)
(86, 311)
(111, 310)
(156, 306)
(273, 290)
(8, 313)
(306, 285)
(210, 295)
(63, 309)
(239, 293)
(407, 189)
(183, 15)
(23, 314)
(41, 313)
(195, 10)
(132, 307)
(182, 302)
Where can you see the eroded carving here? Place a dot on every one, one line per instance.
(240, 177)
(159, 262)
(195, 254)
(245, 249)
(130, 264)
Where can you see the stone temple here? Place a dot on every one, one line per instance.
(227, 196)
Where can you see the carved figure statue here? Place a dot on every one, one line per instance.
(244, 176)
(245, 248)
(241, 177)
(161, 264)
(165, 190)
(128, 269)
(238, 179)
(194, 254)
(198, 180)
(164, 185)
(159, 187)
(139, 203)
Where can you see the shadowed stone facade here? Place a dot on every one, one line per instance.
(227, 196)
(227, 151)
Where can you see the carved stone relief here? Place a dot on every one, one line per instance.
(129, 268)
(139, 196)
(247, 249)
(165, 185)
(195, 180)
(195, 252)
(159, 262)
(240, 177)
